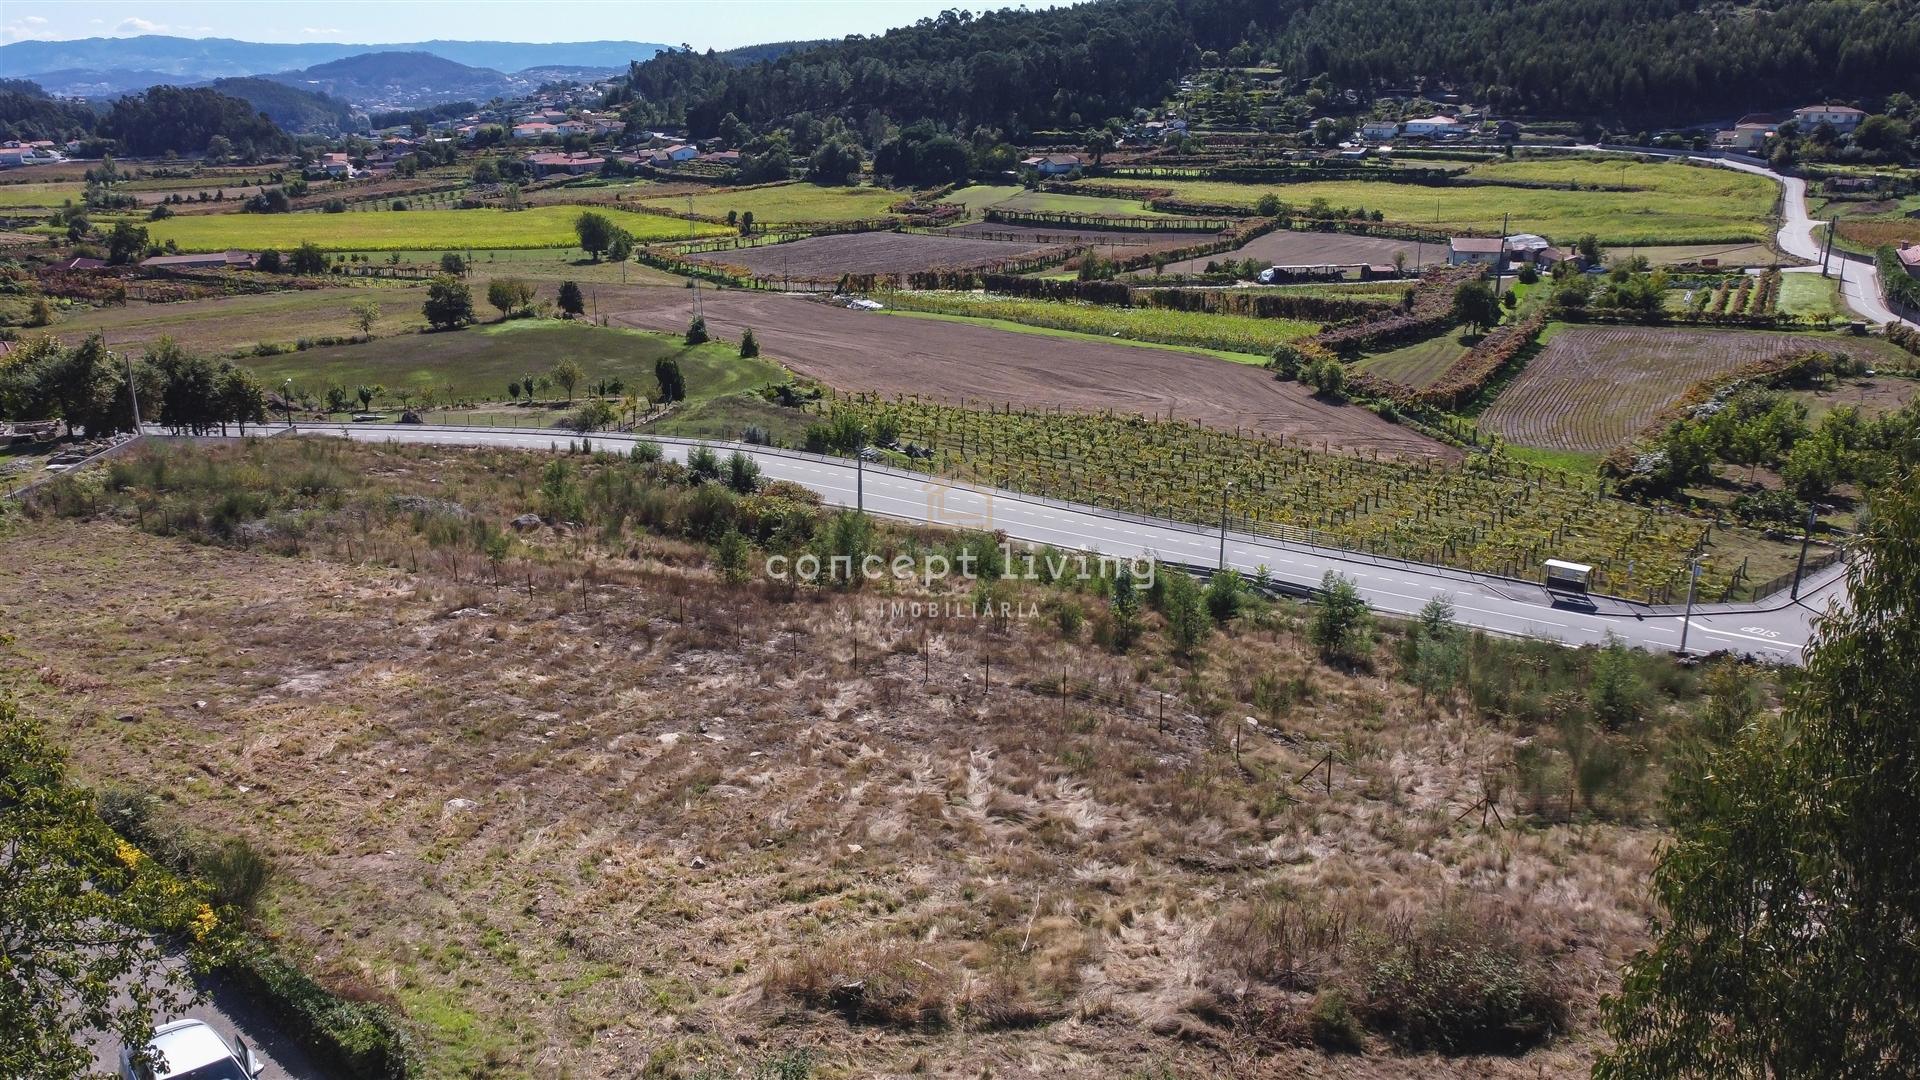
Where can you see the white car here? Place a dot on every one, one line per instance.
(191, 1050)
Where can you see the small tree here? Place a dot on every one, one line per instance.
(742, 474)
(697, 331)
(510, 294)
(673, 385)
(366, 394)
(307, 259)
(1342, 626)
(620, 248)
(1475, 305)
(749, 345)
(567, 374)
(453, 263)
(596, 232)
(571, 301)
(449, 303)
(365, 314)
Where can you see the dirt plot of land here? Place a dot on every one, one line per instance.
(955, 361)
(1120, 241)
(870, 253)
(1592, 388)
(1286, 248)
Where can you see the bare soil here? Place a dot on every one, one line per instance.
(964, 362)
(1287, 248)
(1114, 241)
(870, 253)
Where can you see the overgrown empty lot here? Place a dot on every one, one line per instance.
(579, 807)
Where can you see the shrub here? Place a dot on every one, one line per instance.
(749, 345)
(238, 874)
(1455, 984)
(697, 331)
(1333, 1025)
(360, 1039)
(1341, 626)
(886, 984)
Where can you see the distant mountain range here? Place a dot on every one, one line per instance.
(105, 67)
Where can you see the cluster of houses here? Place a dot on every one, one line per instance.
(1503, 253)
(1752, 133)
(1439, 128)
(15, 154)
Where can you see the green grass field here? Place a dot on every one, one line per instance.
(1415, 365)
(476, 363)
(1809, 295)
(25, 196)
(790, 202)
(1247, 339)
(413, 230)
(1671, 204)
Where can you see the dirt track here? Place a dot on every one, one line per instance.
(952, 361)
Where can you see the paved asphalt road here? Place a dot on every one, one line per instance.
(1771, 631)
(232, 1015)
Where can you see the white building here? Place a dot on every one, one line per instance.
(1433, 126)
(1842, 118)
(1379, 130)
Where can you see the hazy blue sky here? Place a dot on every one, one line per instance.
(702, 23)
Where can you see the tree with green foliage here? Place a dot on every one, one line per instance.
(87, 920)
(241, 399)
(1342, 627)
(366, 314)
(126, 243)
(697, 331)
(571, 301)
(1226, 595)
(449, 303)
(452, 262)
(749, 345)
(1474, 305)
(307, 259)
(620, 248)
(596, 232)
(566, 375)
(673, 385)
(1790, 892)
(510, 294)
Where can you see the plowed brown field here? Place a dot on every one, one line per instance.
(1592, 388)
(966, 362)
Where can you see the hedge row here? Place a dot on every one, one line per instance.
(1470, 373)
(1261, 304)
(1904, 336)
(1431, 314)
(359, 1039)
(1902, 289)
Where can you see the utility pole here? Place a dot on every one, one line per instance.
(1223, 524)
(1800, 567)
(133, 394)
(859, 481)
(1827, 251)
(1686, 623)
(1499, 264)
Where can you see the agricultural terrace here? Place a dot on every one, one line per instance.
(1419, 364)
(787, 202)
(828, 257)
(412, 230)
(1668, 203)
(982, 197)
(476, 363)
(1251, 340)
(1592, 388)
(1491, 515)
(1286, 247)
(229, 323)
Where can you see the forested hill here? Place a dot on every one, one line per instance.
(289, 107)
(1067, 67)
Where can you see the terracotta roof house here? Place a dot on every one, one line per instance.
(571, 164)
(211, 260)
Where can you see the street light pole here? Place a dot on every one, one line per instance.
(286, 401)
(1693, 579)
(859, 481)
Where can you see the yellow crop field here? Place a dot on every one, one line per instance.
(412, 230)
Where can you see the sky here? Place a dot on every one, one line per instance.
(719, 24)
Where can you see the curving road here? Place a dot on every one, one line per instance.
(1776, 630)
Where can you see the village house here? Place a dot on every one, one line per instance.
(1433, 126)
(548, 164)
(533, 129)
(1744, 138)
(212, 260)
(680, 152)
(1379, 130)
(1473, 250)
(1910, 257)
(1842, 118)
(721, 157)
(1052, 164)
(333, 166)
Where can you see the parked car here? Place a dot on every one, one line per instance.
(191, 1050)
